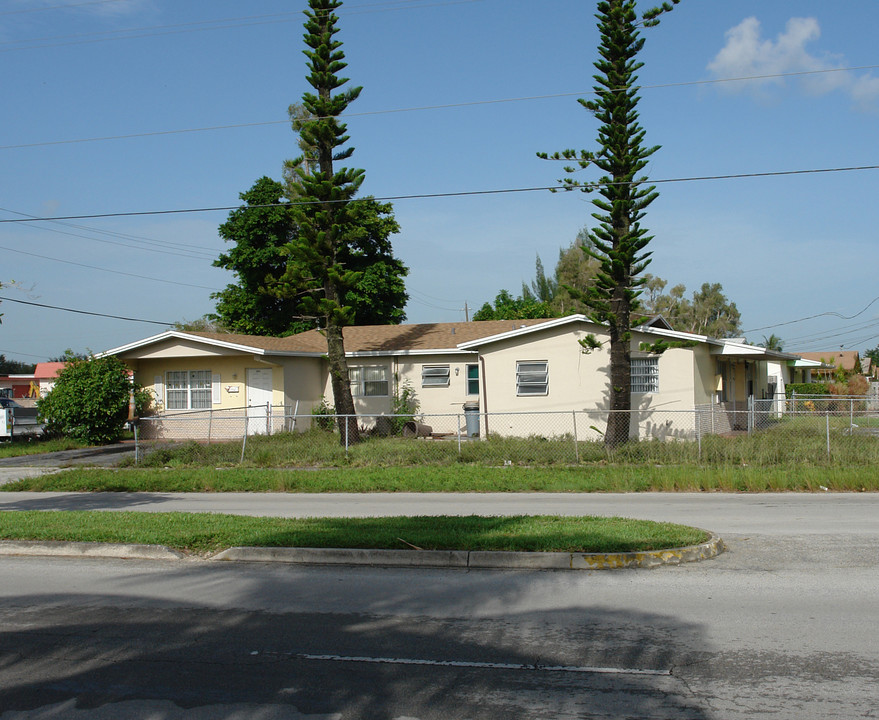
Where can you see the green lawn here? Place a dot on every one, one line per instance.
(209, 533)
(19, 447)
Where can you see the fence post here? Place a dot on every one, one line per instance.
(210, 423)
(135, 443)
(459, 434)
(827, 419)
(268, 418)
(698, 418)
(576, 444)
(347, 420)
(244, 441)
(851, 414)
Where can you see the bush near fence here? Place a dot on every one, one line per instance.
(766, 433)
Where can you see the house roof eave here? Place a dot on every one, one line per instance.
(178, 335)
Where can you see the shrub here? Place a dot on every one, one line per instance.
(90, 400)
(323, 414)
(404, 405)
(813, 388)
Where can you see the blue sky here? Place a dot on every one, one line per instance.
(784, 248)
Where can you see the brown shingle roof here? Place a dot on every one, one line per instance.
(846, 359)
(381, 338)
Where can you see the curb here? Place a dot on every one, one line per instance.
(460, 559)
(477, 559)
(59, 548)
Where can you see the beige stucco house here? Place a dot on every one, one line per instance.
(513, 369)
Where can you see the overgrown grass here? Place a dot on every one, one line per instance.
(797, 443)
(460, 478)
(20, 446)
(208, 533)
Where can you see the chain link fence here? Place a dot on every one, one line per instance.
(821, 429)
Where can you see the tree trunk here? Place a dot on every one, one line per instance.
(619, 419)
(349, 430)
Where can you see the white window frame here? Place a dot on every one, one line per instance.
(189, 389)
(435, 376)
(366, 381)
(532, 380)
(645, 375)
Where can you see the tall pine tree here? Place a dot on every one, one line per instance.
(619, 240)
(316, 272)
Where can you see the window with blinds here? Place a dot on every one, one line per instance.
(369, 381)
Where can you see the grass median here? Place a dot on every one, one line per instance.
(204, 534)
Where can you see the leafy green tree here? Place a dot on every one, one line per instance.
(619, 241)
(90, 400)
(206, 323)
(713, 314)
(708, 312)
(15, 367)
(70, 355)
(506, 307)
(258, 230)
(316, 275)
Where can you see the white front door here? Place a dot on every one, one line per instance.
(259, 398)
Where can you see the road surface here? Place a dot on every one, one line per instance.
(783, 625)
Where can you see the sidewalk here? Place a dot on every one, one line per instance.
(104, 456)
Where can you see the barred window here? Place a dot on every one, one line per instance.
(532, 378)
(435, 376)
(188, 389)
(645, 375)
(369, 381)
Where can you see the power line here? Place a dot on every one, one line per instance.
(818, 336)
(56, 7)
(84, 312)
(194, 254)
(419, 108)
(812, 317)
(194, 25)
(114, 272)
(463, 193)
(199, 26)
(13, 352)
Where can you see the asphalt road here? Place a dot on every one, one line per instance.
(784, 624)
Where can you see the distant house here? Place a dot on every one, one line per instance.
(45, 375)
(18, 386)
(848, 360)
(507, 367)
(27, 389)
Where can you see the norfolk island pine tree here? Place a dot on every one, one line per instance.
(618, 242)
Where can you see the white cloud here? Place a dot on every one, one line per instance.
(748, 54)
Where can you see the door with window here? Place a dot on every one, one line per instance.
(259, 399)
